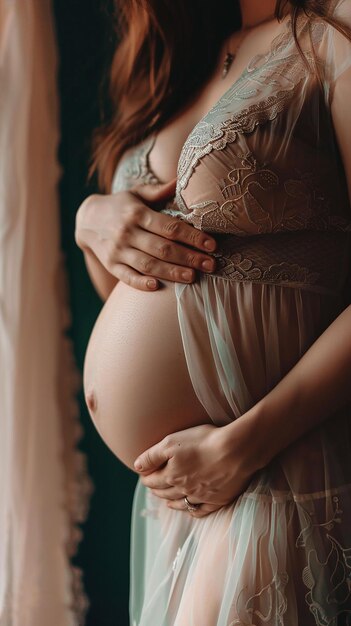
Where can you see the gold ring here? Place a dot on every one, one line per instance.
(190, 506)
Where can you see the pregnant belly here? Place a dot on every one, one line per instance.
(136, 380)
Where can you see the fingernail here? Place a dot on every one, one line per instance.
(187, 275)
(138, 466)
(152, 284)
(207, 265)
(209, 244)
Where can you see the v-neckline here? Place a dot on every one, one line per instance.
(277, 39)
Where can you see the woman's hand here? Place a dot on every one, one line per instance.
(199, 463)
(136, 243)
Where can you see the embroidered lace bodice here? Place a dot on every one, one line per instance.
(262, 169)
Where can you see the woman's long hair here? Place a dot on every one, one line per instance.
(166, 51)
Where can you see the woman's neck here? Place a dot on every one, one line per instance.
(254, 12)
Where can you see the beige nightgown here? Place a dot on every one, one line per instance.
(263, 172)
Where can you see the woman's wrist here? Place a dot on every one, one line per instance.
(244, 439)
(267, 428)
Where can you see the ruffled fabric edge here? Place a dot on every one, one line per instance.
(78, 484)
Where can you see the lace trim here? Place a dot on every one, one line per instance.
(135, 168)
(241, 268)
(210, 135)
(302, 203)
(313, 260)
(148, 175)
(289, 496)
(328, 567)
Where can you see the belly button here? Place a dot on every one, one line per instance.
(91, 401)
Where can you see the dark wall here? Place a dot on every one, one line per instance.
(85, 43)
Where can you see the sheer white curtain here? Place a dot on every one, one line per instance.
(43, 484)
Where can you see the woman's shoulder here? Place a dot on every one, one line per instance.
(336, 49)
(341, 7)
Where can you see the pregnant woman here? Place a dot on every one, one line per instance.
(220, 365)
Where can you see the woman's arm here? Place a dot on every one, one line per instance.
(321, 382)
(314, 389)
(213, 465)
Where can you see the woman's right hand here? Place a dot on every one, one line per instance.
(138, 244)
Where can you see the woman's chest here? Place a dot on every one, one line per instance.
(165, 153)
(259, 160)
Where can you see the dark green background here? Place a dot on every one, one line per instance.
(85, 40)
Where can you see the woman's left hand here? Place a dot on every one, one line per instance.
(200, 463)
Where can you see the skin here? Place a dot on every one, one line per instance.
(222, 460)
(255, 11)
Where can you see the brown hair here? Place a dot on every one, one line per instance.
(166, 52)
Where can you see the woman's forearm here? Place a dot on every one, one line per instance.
(103, 281)
(315, 388)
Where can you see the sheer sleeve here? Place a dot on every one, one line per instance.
(340, 98)
(339, 70)
(336, 54)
